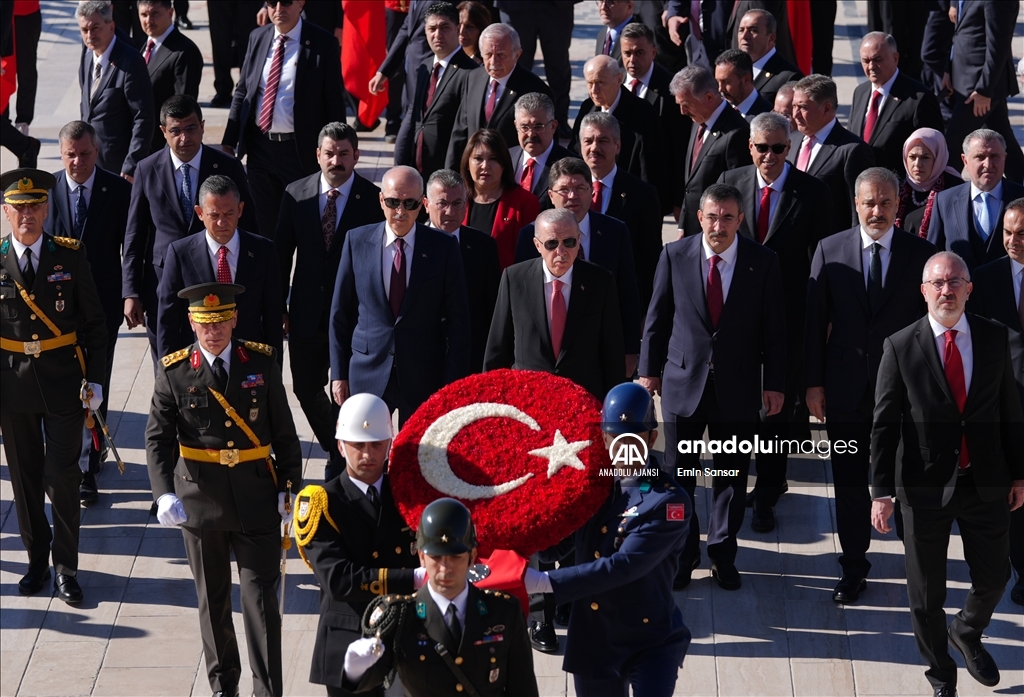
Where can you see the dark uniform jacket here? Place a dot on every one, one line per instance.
(64, 289)
(356, 555)
(218, 497)
(495, 651)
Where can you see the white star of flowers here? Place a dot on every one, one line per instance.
(561, 453)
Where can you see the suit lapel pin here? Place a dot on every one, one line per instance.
(357, 196)
(251, 256)
(583, 287)
(767, 74)
(423, 254)
(103, 189)
(215, 165)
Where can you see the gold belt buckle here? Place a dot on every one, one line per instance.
(229, 457)
(33, 348)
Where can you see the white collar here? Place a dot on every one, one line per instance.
(759, 63)
(618, 98)
(885, 240)
(460, 601)
(996, 193)
(584, 226)
(608, 180)
(194, 162)
(345, 190)
(501, 80)
(215, 246)
(775, 185)
(1015, 268)
(713, 119)
(728, 256)
(295, 34)
(822, 135)
(158, 41)
(390, 236)
(104, 57)
(887, 85)
(73, 185)
(541, 159)
(566, 277)
(745, 105)
(364, 487)
(224, 355)
(36, 248)
(447, 59)
(961, 326)
(644, 79)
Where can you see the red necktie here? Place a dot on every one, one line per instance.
(557, 310)
(869, 123)
(266, 119)
(634, 85)
(223, 270)
(764, 214)
(595, 200)
(698, 143)
(607, 42)
(329, 220)
(957, 385)
(434, 74)
(397, 294)
(715, 300)
(527, 179)
(804, 161)
(491, 101)
(150, 45)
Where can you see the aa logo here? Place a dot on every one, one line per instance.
(628, 450)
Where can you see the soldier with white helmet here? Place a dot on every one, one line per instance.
(353, 538)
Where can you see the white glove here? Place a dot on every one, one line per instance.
(419, 577)
(169, 511)
(360, 657)
(286, 515)
(536, 581)
(97, 396)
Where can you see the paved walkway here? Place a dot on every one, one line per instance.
(137, 631)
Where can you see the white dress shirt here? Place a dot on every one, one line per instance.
(214, 248)
(709, 125)
(963, 343)
(819, 138)
(744, 106)
(585, 236)
(607, 181)
(502, 82)
(759, 63)
(885, 252)
(87, 186)
(539, 162)
(773, 198)
(444, 64)
(284, 103)
(645, 79)
(611, 109)
(193, 173)
(885, 89)
(364, 487)
(158, 41)
(549, 278)
(995, 198)
(726, 266)
(104, 60)
(459, 602)
(388, 256)
(1016, 271)
(344, 194)
(224, 355)
(36, 248)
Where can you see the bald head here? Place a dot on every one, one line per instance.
(604, 77)
(401, 197)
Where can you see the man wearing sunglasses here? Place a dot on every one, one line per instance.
(788, 212)
(399, 324)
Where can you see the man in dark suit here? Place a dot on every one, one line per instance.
(174, 62)
(734, 74)
(948, 443)
(445, 202)
(715, 348)
(614, 18)
(488, 96)
(538, 148)
(387, 336)
(316, 214)
(427, 125)
(231, 22)
(117, 98)
(788, 212)
(162, 207)
(890, 105)
(224, 254)
(718, 142)
(756, 37)
(603, 241)
(968, 219)
(981, 77)
(997, 296)
(828, 151)
(861, 290)
(295, 64)
(618, 194)
(91, 204)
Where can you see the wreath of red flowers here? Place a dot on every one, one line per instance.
(495, 449)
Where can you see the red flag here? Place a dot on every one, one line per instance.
(800, 30)
(363, 47)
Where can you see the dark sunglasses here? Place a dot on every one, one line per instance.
(409, 204)
(777, 148)
(273, 3)
(569, 243)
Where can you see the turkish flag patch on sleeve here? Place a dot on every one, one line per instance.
(675, 511)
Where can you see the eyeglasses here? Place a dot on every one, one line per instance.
(457, 203)
(606, 3)
(724, 219)
(409, 204)
(777, 148)
(953, 283)
(188, 130)
(579, 192)
(568, 243)
(285, 3)
(533, 127)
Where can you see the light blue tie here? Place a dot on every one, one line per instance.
(984, 217)
(185, 197)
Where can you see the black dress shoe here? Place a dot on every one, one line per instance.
(763, 519)
(31, 156)
(978, 660)
(67, 588)
(226, 693)
(543, 637)
(88, 494)
(1017, 592)
(360, 128)
(945, 691)
(561, 617)
(184, 22)
(849, 588)
(221, 101)
(34, 581)
(727, 576)
(685, 574)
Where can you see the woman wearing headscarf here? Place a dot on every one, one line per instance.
(924, 156)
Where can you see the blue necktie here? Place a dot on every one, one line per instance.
(984, 217)
(185, 197)
(80, 212)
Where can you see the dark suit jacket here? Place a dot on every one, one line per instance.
(776, 73)
(175, 68)
(616, 47)
(952, 224)
(520, 338)
(483, 274)
(982, 59)
(675, 133)
(121, 111)
(103, 234)
(611, 249)
(319, 92)
(188, 263)
(841, 158)
(155, 217)
(470, 117)
(918, 427)
(540, 179)
(409, 47)
(725, 147)
(748, 350)
(760, 106)
(844, 358)
(909, 106)
(429, 343)
(635, 203)
(316, 268)
(993, 298)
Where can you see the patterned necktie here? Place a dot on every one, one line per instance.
(185, 195)
(266, 119)
(397, 294)
(715, 299)
(371, 493)
(764, 214)
(492, 100)
(329, 220)
(81, 211)
(804, 161)
(954, 366)
(97, 70)
(223, 269)
(150, 45)
(558, 311)
(634, 86)
(29, 273)
(595, 200)
(527, 179)
(875, 277)
(451, 620)
(984, 217)
(698, 143)
(872, 118)
(219, 373)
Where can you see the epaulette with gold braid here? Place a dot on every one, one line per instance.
(69, 242)
(312, 503)
(265, 349)
(171, 358)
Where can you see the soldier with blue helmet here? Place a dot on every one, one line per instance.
(625, 628)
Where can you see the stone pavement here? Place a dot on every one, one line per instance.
(136, 633)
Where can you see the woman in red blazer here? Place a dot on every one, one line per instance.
(495, 202)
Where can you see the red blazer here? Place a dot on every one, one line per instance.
(517, 208)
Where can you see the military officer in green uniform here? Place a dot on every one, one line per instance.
(53, 337)
(353, 537)
(453, 638)
(219, 409)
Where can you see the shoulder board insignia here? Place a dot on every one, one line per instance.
(172, 358)
(243, 355)
(421, 610)
(5, 246)
(69, 242)
(312, 504)
(265, 349)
